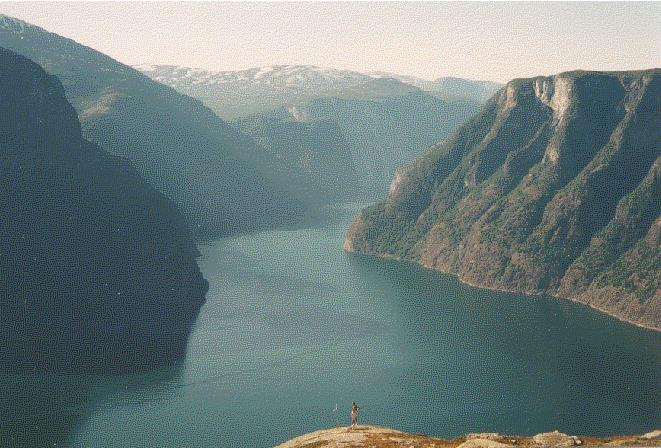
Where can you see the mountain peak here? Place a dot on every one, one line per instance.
(14, 25)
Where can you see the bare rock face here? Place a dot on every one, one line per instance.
(554, 439)
(483, 443)
(552, 189)
(483, 435)
(652, 435)
(342, 437)
(365, 436)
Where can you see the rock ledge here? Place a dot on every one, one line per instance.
(367, 436)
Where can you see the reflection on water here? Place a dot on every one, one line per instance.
(40, 410)
(293, 325)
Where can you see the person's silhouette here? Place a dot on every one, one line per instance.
(354, 414)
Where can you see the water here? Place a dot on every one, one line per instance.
(293, 325)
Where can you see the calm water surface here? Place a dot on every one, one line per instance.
(293, 326)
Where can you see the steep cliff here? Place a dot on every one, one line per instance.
(97, 269)
(554, 188)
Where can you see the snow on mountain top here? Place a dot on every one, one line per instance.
(263, 71)
(14, 25)
(275, 75)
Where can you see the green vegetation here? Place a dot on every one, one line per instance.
(554, 192)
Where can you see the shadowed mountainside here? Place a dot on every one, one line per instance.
(218, 178)
(97, 269)
(317, 155)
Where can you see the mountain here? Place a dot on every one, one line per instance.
(218, 177)
(464, 88)
(233, 94)
(385, 122)
(552, 189)
(449, 87)
(318, 157)
(237, 94)
(97, 269)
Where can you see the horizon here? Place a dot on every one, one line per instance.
(367, 72)
(399, 38)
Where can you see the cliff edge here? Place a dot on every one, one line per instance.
(381, 437)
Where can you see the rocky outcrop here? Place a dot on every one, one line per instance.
(556, 438)
(365, 436)
(482, 443)
(342, 437)
(97, 269)
(552, 189)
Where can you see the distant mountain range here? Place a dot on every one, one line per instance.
(381, 123)
(97, 268)
(235, 94)
(218, 177)
(449, 87)
(554, 188)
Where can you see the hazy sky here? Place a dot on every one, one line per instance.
(496, 41)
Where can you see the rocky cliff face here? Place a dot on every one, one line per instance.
(97, 270)
(554, 188)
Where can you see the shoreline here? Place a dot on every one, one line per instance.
(387, 256)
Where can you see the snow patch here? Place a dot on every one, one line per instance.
(14, 25)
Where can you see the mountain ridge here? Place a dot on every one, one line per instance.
(534, 193)
(217, 176)
(98, 268)
(384, 123)
(237, 94)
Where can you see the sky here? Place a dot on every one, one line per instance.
(492, 41)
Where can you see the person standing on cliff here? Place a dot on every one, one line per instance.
(354, 414)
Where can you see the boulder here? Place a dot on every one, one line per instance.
(656, 434)
(555, 438)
